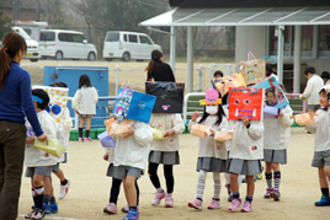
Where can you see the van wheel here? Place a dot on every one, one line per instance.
(34, 60)
(59, 55)
(91, 56)
(126, 57)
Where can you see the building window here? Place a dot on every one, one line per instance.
(288, 40)
(324, 40)
(306, 41)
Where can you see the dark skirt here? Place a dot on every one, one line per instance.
(166, 158)
(210, 164)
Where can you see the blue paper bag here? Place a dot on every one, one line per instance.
(106, 140)
(134, 105)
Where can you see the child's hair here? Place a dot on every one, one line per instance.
(325, 75)
(310, 70)
(218, 73)
(42, 94)
(84, 81)
(59, 84)
(220, 114)
(324, 91)
(156, 56)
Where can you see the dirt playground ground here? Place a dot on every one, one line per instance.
(89, 191)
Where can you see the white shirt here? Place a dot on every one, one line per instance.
(322, 128)
(35, 157)
(247, 143)
(64, 130)
(208, 147)
(165, 122)
(84, 100)
(134, 150)
(277, 130)
(311, 92)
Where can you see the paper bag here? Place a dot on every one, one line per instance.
(304, 119)
(121, 127)
(54, 147)
(158, 134)
(223, 136)
(253, 71)
(106, 140)
(270, 112)
(199, 130)
(108, 124)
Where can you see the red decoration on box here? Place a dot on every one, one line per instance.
(246, 102)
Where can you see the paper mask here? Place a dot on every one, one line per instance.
(246, 102)
(211, 98)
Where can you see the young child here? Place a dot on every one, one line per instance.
(39, 163)
(131, 155)
(212, 157)
(245, 155)
(321, 158)
(165, 152)
(111, 208)
(84, 102)
(65, 133)
(276, 140)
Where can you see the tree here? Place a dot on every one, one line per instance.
(5, 24)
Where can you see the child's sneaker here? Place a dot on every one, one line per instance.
(230, 197)
(235, 204)
(132, 215)
(324, 201)
(196, 204)
(80, 139)
(126, 208)
(29, 215)
(37, 214)
(275, 195)
(214, 204)
(268, 193)
(169, 202)
(51, 209)
(110, 209)
(88, 139)
(158, 197)
(247, 207)
(64, 190)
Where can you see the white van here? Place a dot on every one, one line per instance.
(64, 44)
(128, 45)
(33, 52)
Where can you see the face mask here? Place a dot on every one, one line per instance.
(212, 110)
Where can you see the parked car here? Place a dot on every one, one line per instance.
(33, 50)
(128, 45)
(65, 44)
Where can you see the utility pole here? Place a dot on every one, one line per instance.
(16, 9)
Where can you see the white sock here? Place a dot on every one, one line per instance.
(217, 185)
(201, 184)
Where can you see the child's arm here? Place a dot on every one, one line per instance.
(194, 119)
(29, 140)
(255, 128)
(142, 134)
(67, 122)
(285, 117)
(178, 126)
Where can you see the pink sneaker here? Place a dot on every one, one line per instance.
(110, 209)
(158, 197)
(247, 207)
(88, 139)
(80, 139)
(169, 202)
(268, 193)
(235, 204)
(214, 204)
(196, 204)
(275, 194)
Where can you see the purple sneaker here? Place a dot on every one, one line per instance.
(158, 197)
(247, 207)
(235, 204)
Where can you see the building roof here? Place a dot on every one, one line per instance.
(240, 16)
(247, 3)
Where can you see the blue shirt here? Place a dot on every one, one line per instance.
(16, 99)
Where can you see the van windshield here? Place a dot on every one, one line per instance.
(47, 36)
(112, 37)
(21, 32)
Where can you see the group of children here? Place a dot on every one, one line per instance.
(252, 141)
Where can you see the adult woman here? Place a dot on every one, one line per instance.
(158, 70)
(15, 103)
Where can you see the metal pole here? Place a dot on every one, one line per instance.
(190, 63)
(117, 79)
(297, 55)
(172, 48)
(280, 42)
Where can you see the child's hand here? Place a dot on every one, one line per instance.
(169, 132)
(211, 132)
(127, 134)
(77, 112)
(106, 157)
(29, 140)
(246, 121)
(194, 116)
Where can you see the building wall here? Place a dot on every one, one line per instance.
(250, 39)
